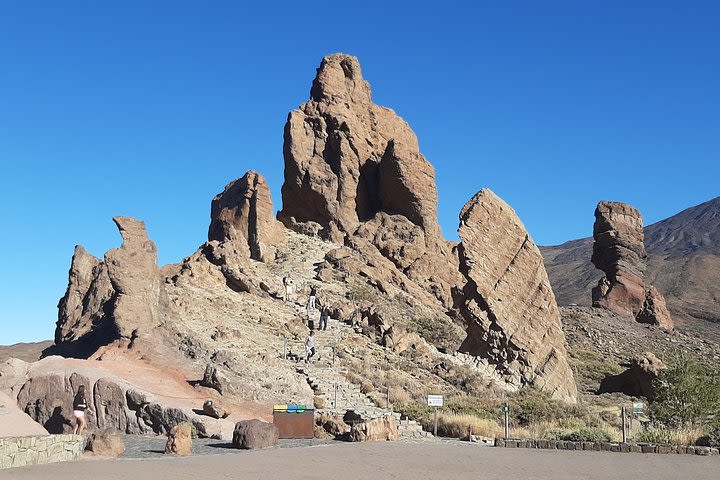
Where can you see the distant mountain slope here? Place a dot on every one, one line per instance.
(683, 263)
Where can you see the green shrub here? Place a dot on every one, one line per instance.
(531, 406)
(414, 410)
(685, 394)
(713, 434)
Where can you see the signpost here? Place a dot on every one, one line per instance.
(435, 401)
(506, 412)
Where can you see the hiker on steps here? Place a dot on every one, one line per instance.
(310, 346)
(311, 301)
(288, 286)
(324, 315)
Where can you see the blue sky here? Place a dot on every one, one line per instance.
(149, 108)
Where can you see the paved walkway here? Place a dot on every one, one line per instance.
(396, 460)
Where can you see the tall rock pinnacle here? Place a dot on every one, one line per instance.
(619, 251)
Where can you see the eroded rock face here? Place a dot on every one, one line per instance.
(513, 319)
(243, 213)
(179, 440)
(638, 379)
(355, 169)
(619, 251)
(135, 276)
(81, 312)
(115, 299)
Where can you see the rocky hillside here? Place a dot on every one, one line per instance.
(412, 312)
(683, 263)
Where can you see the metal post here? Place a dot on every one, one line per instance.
(436, 420)
(336, 389)
(387, 398)
(334, 349)
(624, 425)
(285, 350)
(506, 411)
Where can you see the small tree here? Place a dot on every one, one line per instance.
(686, 393)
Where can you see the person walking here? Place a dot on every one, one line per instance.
(288, 286)
(310, 346)
(80, 406)
(324, 315)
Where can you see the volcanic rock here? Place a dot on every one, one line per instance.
(513, 319)
(81, 312)
(117, 299)
(254, 434)
(349, 161)
(106, 443)
(243, 213)
(214, 409)
(619, 251)
(14, 422)
(375, 430)
(637, 380)
(179, 440)
(135, 277)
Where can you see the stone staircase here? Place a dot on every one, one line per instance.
(328, 382)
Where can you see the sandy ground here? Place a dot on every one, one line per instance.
(388, 461)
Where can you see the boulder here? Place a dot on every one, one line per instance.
(254, 434)
(378, 429)
(106, 443)
(211, 408)
(243, 213)
(637, 380)
(179, 440)
(513, 319)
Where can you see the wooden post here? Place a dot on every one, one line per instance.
(436, 420)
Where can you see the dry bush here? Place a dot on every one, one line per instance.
(366, 387)
(399, 395)
(670, 436)
(455, 425)
(318, 402)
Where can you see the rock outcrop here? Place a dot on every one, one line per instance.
(513, 320)
(44, 390)
(355, 169)
(637, 380)
(243, 214)
(375, 430)
(116, 299)
(619, 251)
(135, 277)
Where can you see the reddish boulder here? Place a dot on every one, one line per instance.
(254, 434)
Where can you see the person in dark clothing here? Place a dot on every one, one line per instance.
(80, 406)
(324, 315)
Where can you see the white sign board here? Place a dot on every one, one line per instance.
(435, 400)
(638, 408)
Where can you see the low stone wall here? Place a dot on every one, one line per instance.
(21, 451)
(603, 446)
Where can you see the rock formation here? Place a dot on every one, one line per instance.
(513, 320)
(355, 169)
(619, 251)
(254, 434)
(243, 213)
(115, 299)
(637, 380)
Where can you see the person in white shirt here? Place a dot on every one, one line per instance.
(310, 346)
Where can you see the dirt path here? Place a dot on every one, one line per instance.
(389, 460)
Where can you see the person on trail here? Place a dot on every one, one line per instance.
(311, 301)
(288, 286)
(310, 346)
(324, 315)
(80, 406)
